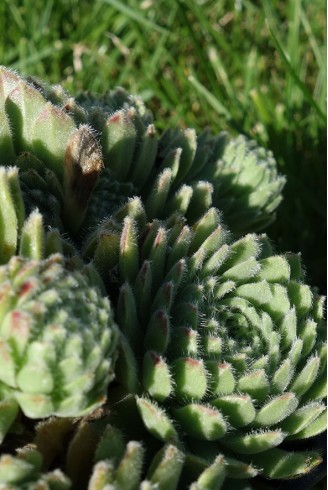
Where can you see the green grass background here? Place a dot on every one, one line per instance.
(253, 67)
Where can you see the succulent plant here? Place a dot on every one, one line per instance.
(112, 140)
(57, 337)
(185, 173)
(58, 175)
(220, 355)
(227, 342)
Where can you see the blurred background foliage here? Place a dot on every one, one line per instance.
(252, 67)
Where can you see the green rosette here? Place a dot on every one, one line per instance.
(59, 161)
(57, 337)
(225, 347)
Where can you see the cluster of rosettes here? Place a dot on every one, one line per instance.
(101, 150)
(217, 367)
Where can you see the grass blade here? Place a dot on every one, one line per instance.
(213, 101)
(135, 15)
(296, 78)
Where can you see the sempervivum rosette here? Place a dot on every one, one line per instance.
(57, 337)
(182, 172)
(227, 342)
(59, 162)
(247, 186)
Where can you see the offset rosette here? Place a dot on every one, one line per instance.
(246, 185)
(57, 337)
(227, 342)
(184, 173)
(128, 140)
(59, 162)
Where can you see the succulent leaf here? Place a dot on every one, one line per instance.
(23, 472)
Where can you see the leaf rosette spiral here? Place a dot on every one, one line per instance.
(227, 341)
(57, 337)
(59, 161)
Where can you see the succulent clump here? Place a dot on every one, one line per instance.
(109, 146)
(57, 338)
(161, 341)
